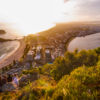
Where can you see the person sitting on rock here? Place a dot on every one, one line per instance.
(9, 78)
(15, 80)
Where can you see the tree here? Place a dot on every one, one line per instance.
(81, 84)
(64, 65)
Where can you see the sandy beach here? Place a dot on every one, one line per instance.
(16, 54)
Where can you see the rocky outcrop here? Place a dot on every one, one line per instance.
(24, 80)
(8, 87)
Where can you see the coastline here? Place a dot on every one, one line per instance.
(71, 39)
(18, 52)
(6, 55)
(68, 42)
(14, 55)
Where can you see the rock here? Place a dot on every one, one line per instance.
(8, 87)
(27, 66)
(24, 80)
(18, 71)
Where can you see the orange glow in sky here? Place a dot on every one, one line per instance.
(31, 16)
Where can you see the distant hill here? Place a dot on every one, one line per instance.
(4, 40)
(72, 26)
(2, 32)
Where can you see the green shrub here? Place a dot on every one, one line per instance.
(81, 84)
(71, 60)
(49, 93)
(46, 69)
(31, 71)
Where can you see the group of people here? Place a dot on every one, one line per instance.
(8, 78)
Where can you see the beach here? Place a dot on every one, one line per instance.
(16, 54)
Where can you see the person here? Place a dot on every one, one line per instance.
(0, 84)
(9, 78)
(15, 80)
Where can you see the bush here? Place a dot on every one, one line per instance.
(64, 65)
(31, 71)
(46, 69)
(49, 93)
(81, 84)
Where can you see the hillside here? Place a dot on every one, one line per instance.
(62, 80)
(74, 27)
(70, 76)
(2, 32)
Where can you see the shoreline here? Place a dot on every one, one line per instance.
(71, 39)
(18, 52)
(14, 55)
(68, 42)
(6, 55)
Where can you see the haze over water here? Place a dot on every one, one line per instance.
(6, 48)
(11, 33)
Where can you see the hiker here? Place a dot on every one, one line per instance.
(9, 78)
(15, 80)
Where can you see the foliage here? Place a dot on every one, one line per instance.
(49, 93)
(32, 38)
(81, 84)
(45, 69)
(31, 71)
(26, 50)
(74, 82)
(97, 50)
(71, 60)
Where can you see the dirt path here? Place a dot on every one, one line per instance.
(15, 55)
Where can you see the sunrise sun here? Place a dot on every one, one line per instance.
(33, 16)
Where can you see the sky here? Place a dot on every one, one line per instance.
(82, 10)
(31, 16)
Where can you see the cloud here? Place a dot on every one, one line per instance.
(84, 9)
(65, 1)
